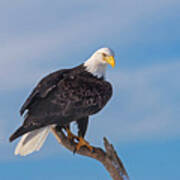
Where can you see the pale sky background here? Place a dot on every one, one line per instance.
(141, 120)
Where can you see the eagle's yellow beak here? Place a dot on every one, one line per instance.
(110, 60)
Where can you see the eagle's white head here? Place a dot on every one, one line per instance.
(98, 62)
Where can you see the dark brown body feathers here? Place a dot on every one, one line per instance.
(62, 97)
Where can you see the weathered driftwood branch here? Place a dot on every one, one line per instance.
(108, 158)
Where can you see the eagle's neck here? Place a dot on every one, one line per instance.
(95, 67)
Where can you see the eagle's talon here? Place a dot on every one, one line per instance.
(81, 143)
(70, 135)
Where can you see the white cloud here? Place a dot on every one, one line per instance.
(23, 49)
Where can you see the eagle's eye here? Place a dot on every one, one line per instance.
(104, 55)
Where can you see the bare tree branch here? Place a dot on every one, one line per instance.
(108, 158)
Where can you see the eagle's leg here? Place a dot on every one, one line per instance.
(83, 142)
(82, 126)
(70, 135)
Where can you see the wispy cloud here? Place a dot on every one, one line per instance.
(145, 104)
(27, 43)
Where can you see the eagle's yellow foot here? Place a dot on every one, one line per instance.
(81, 143)
(70, 135)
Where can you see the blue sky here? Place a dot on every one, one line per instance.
(141, 120)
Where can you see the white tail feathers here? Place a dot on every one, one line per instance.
(32, 141)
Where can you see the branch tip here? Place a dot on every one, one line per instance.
(108, 158)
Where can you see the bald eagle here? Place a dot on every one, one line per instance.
(62, 97)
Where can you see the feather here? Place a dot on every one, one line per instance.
(32, 141)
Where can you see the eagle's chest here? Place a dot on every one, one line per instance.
(87, 90)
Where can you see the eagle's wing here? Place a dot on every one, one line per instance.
(61, 98)
(44, 87)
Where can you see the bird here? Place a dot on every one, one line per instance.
(62, 97)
